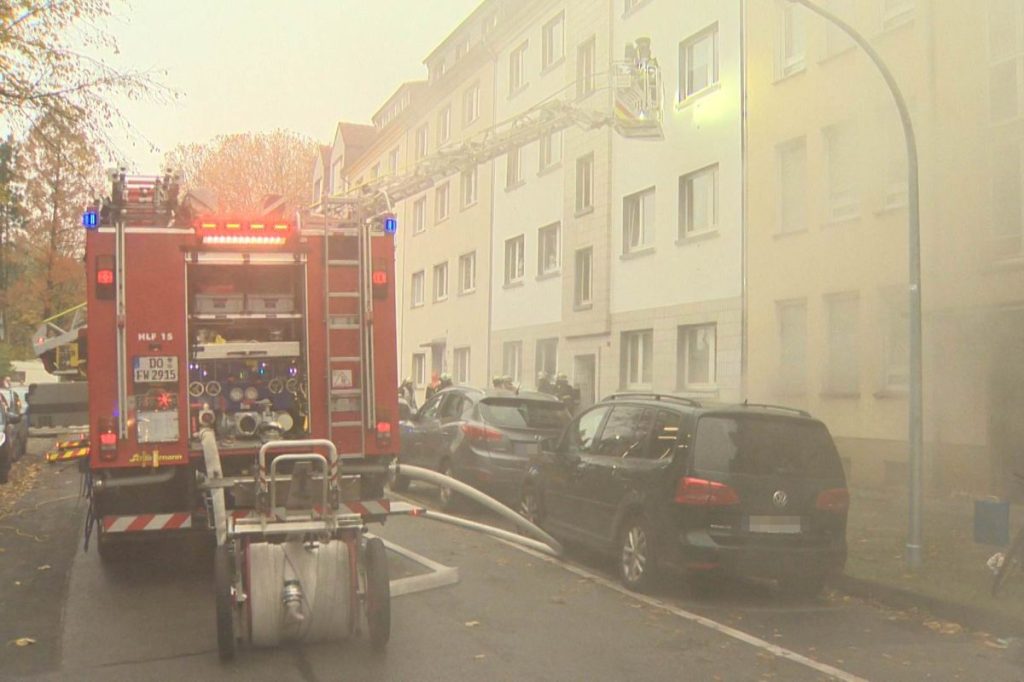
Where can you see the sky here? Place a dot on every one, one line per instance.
(260, 65)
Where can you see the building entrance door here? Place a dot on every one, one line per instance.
(584, 377)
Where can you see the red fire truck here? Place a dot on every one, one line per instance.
(258, 327)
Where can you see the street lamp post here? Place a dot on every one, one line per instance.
(915, 413)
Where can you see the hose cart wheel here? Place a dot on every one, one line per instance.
(223, 576)
(378, 593)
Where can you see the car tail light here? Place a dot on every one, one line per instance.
(108, 438)
(703, 493)
(383, 434)
(478, 433)
(836, 500)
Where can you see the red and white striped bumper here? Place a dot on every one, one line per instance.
(141, 522)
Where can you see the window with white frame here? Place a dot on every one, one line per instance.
(441, 202)
(337, 176)
(512, 360)
(419, 215)
(896, 12)
(638, 221)
(375, 171)
(393, 161)
(422, 141)
(515, 259)
(586, 61)
(553, 41)
(637, 359)
(471, 104)
(549, 249)
(698, 201)
(698, 62)
(550, 150)
(419, 369)
(416, 296)
(792, 39)
(695, 357)
(467, 273)
(583, 280)
(460, 358)
(469, 187)
(546, 357)
(441, 281)
(517, 69)
(514, 168)
(792, 317)
(1006, 58)
(841, 169)
(461, 50)
(584, 183)
(1007, 199)
(444, 125)
(792, 164)
(836, 39)
(897, 343)
(842, 372)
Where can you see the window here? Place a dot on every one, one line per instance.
(375, 171)
(1007, 200)
(897, 344)
(337, 177)
(417, 288)
(586, 59)
(517, 69)
(792, 40)
(550, 150)
(512, 359)
(419, 215)
(698, 62)
(638, 221)
(444, 125)
(469, 183)
(625, 432)
(836, 39)
(467, 273)
(792, 160)
(582, 436)
(1005, 53)
(583, 284)
(840, 149)
(843, 370)
(461, 49)
(553, 43)
(471, 104)
(460, 357)
(422, 136)
(547, 357)
(695, 357)
(698, 201)
(637, 359)
(584, 183)
(514, 168)
(441, 281)
(393, 161)
(441, 206)
(419, 369)
(317, 189)
(666, 434)
(514, 259)
(896, 12)
(792, 345)
(549, 249)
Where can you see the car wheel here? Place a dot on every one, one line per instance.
(637, 555)
(797, 586)
(448, 497)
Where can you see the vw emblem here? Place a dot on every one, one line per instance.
(780, 499)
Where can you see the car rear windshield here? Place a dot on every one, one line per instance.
(512, 413)
(765, 446)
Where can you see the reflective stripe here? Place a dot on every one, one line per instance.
(144, 522)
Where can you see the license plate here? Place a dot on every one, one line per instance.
(774, 524)
(151, 369)
(526, 448)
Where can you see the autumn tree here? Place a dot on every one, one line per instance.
(12, 221)
(242, 168)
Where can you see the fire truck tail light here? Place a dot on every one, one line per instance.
(108, 438)
(105, 278)
(380, 278)
(383, 434)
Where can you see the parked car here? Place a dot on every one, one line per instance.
(484, 438)
(663, 482)
(16, 424)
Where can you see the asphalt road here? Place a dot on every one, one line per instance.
(513, 615)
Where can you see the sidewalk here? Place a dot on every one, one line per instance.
(954, 583)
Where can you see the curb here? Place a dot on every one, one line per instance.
(973, 617)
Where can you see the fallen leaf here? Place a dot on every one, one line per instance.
(480, 657)
(24, 641)
(44, 567)
(472, 623)
(17, 582)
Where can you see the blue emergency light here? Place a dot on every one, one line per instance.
(90, 220)
(390, 224)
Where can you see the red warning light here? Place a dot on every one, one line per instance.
(108, 439)
(104, 276)
(380, 277)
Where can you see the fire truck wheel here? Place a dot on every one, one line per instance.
(399, 484)
(109, 548)
(223, 575)
(378, 593)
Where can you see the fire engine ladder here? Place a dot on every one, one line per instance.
(349, 330)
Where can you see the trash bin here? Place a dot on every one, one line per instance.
(992, 523)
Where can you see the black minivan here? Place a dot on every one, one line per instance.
(664, 482)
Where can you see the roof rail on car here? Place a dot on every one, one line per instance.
(654, 396)
(783, 408)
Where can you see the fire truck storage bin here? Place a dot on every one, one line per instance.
(270, 303)
(219, 303)
(247, 349)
